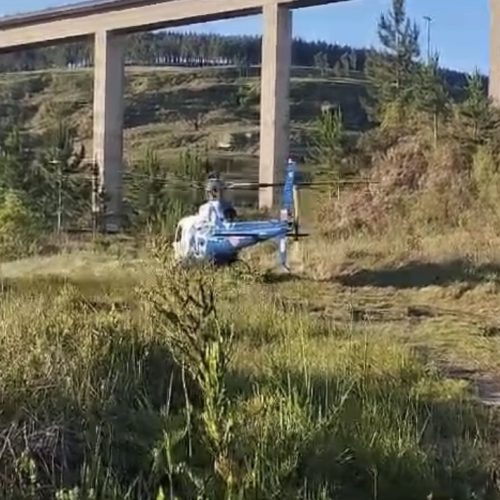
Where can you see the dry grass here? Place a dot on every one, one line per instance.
(438, 292)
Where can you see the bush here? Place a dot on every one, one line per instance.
(486, 177)
(409, 184)
(18, 227)
(328, 140)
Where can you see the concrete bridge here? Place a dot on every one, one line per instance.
(108, 20)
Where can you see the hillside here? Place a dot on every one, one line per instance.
(173, 109)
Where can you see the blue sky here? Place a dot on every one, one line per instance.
(460, 28)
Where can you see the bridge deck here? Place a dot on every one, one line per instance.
(68, 11)
(82, 20)
(91, 7)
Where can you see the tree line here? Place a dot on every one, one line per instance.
(179, 49)
(188, 49)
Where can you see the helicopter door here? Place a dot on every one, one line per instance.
(189, 239)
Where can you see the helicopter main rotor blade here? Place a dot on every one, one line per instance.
(252, 185)
(258, 185)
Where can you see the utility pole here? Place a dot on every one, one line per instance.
(59, 195)
(429, 22)
(95, 198)
(59, 202)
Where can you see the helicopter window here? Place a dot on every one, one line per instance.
(178, 234)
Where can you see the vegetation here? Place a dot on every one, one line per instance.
(198, 50)
(130, 395)
(327, 148)
(432, 96)
(392, 72)
(193, 121)
(476, 112)
(177, 49)
(371, 372)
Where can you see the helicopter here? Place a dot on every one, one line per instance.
(214, 236)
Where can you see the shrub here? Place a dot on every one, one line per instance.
(409, 184)
(328, 142)
(486, 177)
(18, 227)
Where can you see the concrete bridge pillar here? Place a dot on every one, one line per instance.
(275, 105)
(109, 76)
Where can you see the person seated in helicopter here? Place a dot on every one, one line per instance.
(216, 210)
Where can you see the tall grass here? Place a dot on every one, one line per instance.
(191, 387)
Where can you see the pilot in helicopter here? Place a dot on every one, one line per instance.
(216, 210)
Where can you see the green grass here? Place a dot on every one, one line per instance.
(334, 389)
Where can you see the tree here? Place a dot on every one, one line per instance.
(18, 226)
(476, 114)
(321, 62)
(353, 60)
(328, 142)
(344, 64)
(247, 96)
(159, 196)
(392, 71)
(195, 117)
(14, 163)
(431, 95)
(150, 192)
(242, 65)
(56, 185)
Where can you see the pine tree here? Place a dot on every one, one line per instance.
(12, 171)
(477, 117)
(149, 193)
(392, 71)
(431, 95)
(353, 60)
(328, 142)
(56, 186)
(321, 62)
(345, 64)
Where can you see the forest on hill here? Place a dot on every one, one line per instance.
(188, 49)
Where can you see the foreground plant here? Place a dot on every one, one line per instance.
(183, 307)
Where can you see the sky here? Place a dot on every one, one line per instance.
(460, 28)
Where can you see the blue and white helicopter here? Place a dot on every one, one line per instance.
(213, 236)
